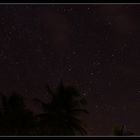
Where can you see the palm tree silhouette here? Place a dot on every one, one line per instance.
(15, 118)
(61, 116)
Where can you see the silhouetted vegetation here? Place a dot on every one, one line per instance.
(60, 116)
(15, 119)
(121, 131)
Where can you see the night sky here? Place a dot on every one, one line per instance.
(95, 48)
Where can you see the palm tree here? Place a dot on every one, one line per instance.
(15, 118)
(61, 115)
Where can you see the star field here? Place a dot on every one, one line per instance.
(93, 47)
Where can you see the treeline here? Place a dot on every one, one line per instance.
(60, 116)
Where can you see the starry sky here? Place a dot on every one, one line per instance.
(93, 47)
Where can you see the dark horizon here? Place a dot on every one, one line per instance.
(92, 47)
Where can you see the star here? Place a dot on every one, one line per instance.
(69, 69)
(92, 73)
(74, 53)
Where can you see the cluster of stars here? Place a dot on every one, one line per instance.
(93, 61)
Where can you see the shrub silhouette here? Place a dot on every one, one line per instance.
(15, 119)
(121, 131)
